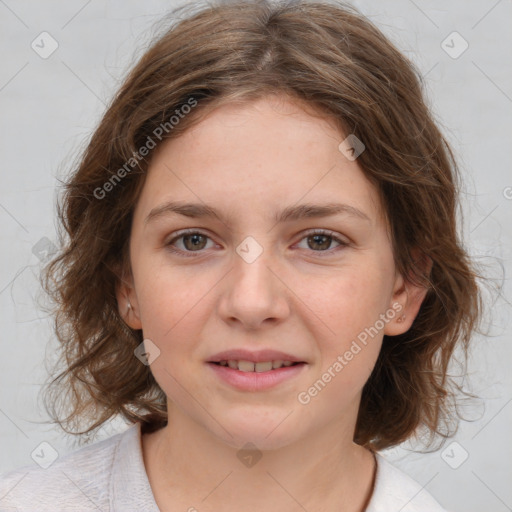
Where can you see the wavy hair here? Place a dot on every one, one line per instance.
(334, 61)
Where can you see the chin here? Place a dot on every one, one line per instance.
(265, 433)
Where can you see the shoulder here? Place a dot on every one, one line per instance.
(76, 481)
(394, 491)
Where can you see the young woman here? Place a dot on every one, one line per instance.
(261, 273)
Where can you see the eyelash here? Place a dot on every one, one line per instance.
(191, 254)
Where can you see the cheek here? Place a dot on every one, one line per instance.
(349, 334)
(351, 299)
(173, 308)
(347, 343)
(166, 293)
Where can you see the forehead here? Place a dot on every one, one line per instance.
(258, 157)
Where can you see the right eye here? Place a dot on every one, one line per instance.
(192, 241)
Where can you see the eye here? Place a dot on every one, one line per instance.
(192, 241)
(320, 240)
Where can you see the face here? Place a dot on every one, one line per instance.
(303, 287)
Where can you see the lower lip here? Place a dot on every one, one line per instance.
(256, 381)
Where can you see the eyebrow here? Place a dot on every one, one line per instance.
(290, 213)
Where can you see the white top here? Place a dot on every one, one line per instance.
(109, 476)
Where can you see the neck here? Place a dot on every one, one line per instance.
(189, 467)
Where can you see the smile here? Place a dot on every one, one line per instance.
(249, 366)
(249, 376)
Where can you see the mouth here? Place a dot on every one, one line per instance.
(251, 376)
(256, 367)
(256, 370)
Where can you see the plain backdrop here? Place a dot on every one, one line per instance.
(50, 106)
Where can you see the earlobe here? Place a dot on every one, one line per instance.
(401, 319)
(127, 303)
(397, 308)
(410, 296)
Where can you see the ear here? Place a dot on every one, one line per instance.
(408, 296)
(127, 301)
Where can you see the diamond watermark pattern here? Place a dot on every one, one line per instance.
(352, 147)
(454, 455)
(44, 45)
(454, 45)
(249, 455)
(147, 352)
(44, 249)
(44, 455)
(249, 250)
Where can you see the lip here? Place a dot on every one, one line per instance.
(256, 381)
(257, 356)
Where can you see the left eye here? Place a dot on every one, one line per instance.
(194, 241)
(322, 240)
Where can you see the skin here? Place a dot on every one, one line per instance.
(301, 297)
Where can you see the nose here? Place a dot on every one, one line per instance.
(254, 293)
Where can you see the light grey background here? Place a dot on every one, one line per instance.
(49, 107)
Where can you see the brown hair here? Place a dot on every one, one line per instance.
(329, 57)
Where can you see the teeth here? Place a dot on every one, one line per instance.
(245, 366)
(249, 366)
(263, 367)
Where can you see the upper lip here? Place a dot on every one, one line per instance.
(257, 356)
